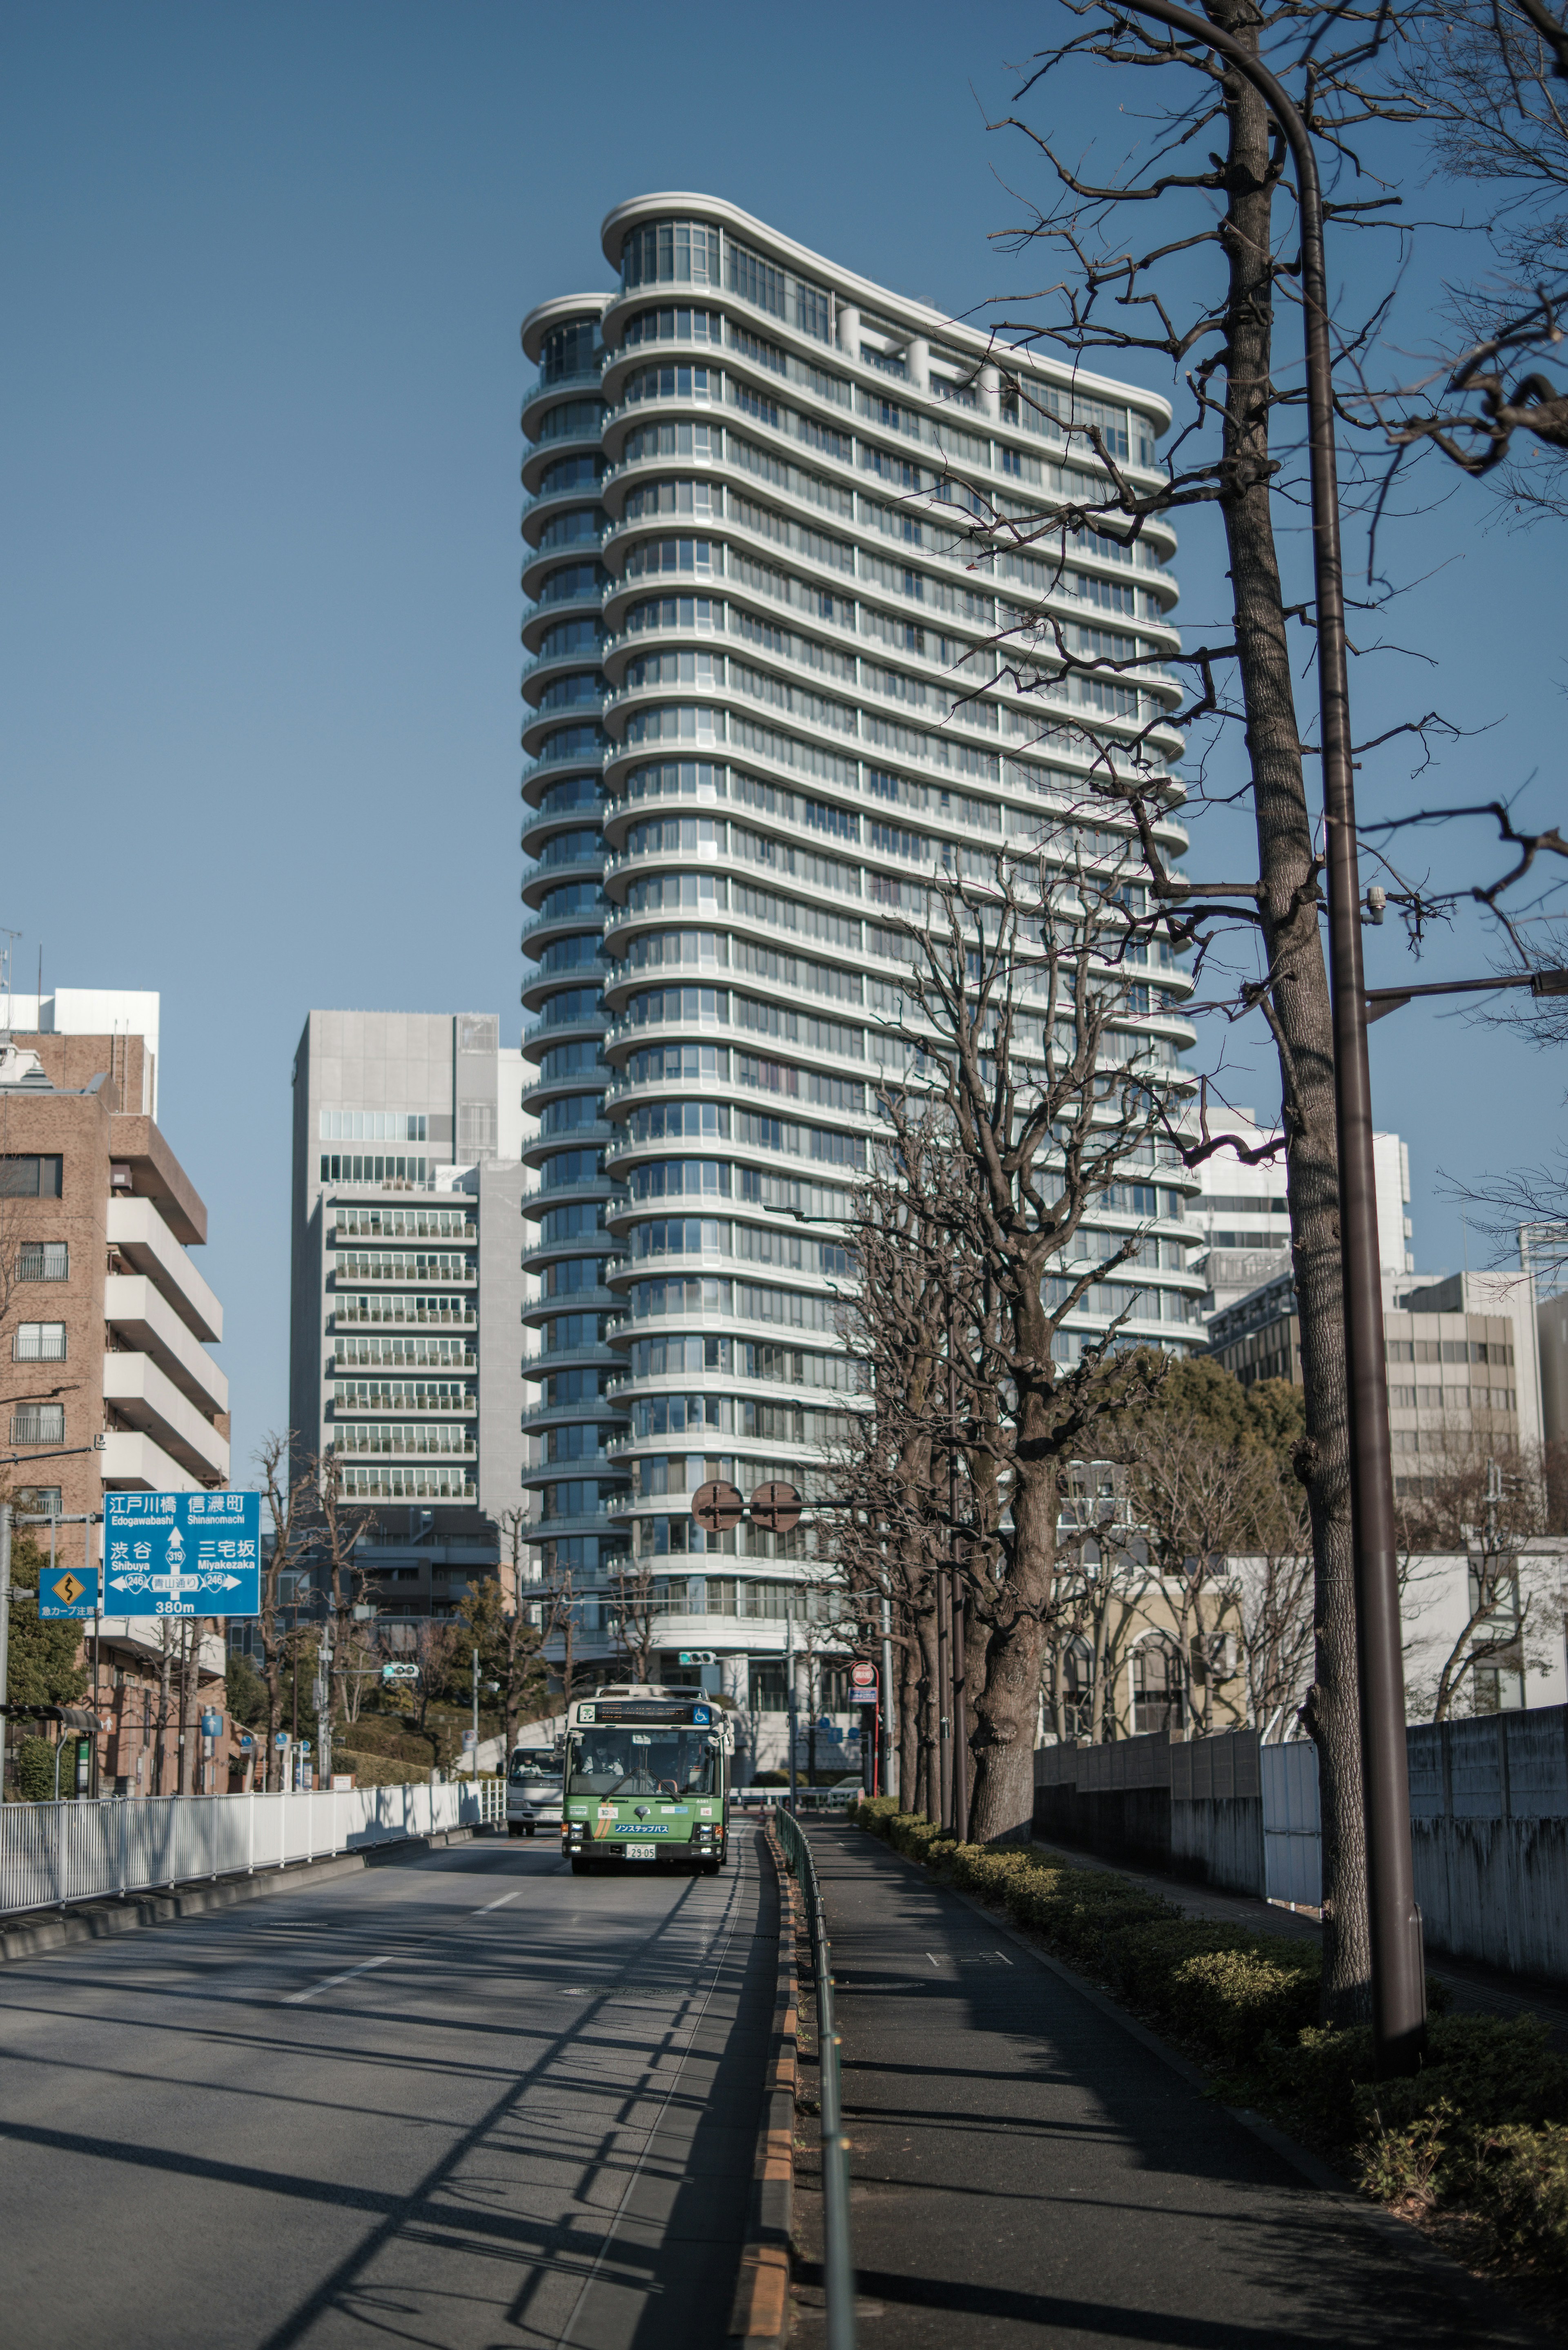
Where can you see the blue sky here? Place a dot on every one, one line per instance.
(262, 279)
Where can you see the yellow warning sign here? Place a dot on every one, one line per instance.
(68, 1589)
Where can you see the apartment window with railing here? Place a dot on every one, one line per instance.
(39, 1342)
(38, 1423)
(44, 1261)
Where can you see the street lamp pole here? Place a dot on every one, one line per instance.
(1398, 1982)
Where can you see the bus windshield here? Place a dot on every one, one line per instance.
(654, 1761)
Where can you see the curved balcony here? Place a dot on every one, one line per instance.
(571, 1301)
(540, 1366)
(546, 926)
(569, 497)
(691, 353)
(541, 772)
(541, 561)
(538, 456)
(539, 986)
(548, 669)
(580, 605)
(539, 1036)
(580, 812)
(541, 395)
(539, 725)
(537, 1097)
(547, 877)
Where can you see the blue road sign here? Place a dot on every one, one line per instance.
(183, 1554)
(281, 1738)
(66, 1591)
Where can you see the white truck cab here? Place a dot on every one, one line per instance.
(532, 1790)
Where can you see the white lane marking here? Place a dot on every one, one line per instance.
(727, 1922)
(500, 1903)
(332, 1981)
(929, 1956)
(1003, 1957)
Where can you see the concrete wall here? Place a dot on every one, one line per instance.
(1488, 1803)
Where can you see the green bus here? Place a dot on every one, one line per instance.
(647, 1781)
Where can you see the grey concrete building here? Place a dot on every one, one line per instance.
(408, 1286)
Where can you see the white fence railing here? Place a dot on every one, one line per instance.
(54, 1852)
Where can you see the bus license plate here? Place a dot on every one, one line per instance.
(641, 1851)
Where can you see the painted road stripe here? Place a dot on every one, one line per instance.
(331, 1983)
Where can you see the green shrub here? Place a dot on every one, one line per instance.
(1481, 2129)
(1526, 2193)
(35, 1768)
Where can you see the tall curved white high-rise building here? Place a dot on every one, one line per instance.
(754, 731)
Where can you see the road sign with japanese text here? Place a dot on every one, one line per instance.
(66, 1591)
(183, 1554)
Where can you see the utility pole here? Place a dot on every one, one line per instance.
(1398, 1977)
(885, 1706)
(474, 1766)
(789, 1686)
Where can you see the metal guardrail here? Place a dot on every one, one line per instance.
(52, 1854)
(839, 2264)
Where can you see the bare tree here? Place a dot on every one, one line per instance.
(291, 1505)
(883, 1527)
(636, 1618)
(1191, 260)
(1487, 1506)
(1486, 77)
(1016, 998)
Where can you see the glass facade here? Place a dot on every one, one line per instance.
(800, 719)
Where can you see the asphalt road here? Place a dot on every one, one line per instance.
(1025, 2171)
(463, 2099)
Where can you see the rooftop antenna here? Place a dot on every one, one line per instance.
(10, 938)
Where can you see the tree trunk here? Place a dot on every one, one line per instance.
(1299, 999)
(928, 1794)
(1007, 1703)
(908, 1719)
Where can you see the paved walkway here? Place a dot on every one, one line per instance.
(1027, 2171)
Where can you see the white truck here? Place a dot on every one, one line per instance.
(532, 1790)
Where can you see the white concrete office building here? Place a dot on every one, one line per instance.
(406, 1331)
(1242, 1216)
(751, 623)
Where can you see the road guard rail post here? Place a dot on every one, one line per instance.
(838, 2265)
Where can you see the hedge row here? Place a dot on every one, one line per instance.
(1480, 2133)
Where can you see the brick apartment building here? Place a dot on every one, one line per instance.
(105, 1327)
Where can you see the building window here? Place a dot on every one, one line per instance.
(30, 1179)
(38, 1423)
(373, 1125)
(768, 1694)
(1157, 1687)
(44, 1261)
(38, 1501)
(39, 1342)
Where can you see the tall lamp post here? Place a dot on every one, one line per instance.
(1398, 1980)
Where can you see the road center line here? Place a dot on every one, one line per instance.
(331, 1982)
(499, 1903)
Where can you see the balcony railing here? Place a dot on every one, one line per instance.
(394, 1309)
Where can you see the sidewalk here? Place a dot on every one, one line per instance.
(1476, 1989)
(1028, 2171)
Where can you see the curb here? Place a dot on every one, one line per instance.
(1461, 2282)
(759, 2315)
(98, 1921)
